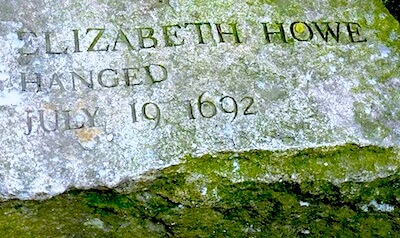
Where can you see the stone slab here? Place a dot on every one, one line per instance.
(94, 92)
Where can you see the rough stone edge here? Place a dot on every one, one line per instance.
(276, 166)
(188, 201)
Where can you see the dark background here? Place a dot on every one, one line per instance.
(394, 7)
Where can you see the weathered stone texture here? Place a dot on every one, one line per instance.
(131, 86)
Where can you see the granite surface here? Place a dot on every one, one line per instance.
(94, 93)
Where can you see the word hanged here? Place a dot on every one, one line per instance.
(105, 78)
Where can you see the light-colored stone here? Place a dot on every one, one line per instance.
(297, 94)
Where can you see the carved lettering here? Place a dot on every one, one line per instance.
(151, 71)
(49, 120)
(150, 111)
(96, 39)
(328, 31)
(299, 32)
(354, 29)
(149, 37)
(55, 81)
(233, 33)
(173, 35)
(199, 31)
(87, 83)
(281, 32)
(90, 116)
(114, 81)
(38, 82)
(21, 37)
(29, 122)
(130, 74)
(106, 78)
(167, 35)
(76, 41)
(121, 37)
(42, 121)
(48, 45)
(227, 104)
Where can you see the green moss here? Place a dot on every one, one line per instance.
(387, 25)
(223, 196)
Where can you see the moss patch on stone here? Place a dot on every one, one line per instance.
(229, 195)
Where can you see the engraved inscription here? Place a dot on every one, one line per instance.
(150, 111)
(207, 108)
(109, 40)
(106, 78)
(106, 40)
(49, 120)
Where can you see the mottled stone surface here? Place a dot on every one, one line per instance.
(131, 86)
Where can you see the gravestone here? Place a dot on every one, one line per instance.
(94, 93)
